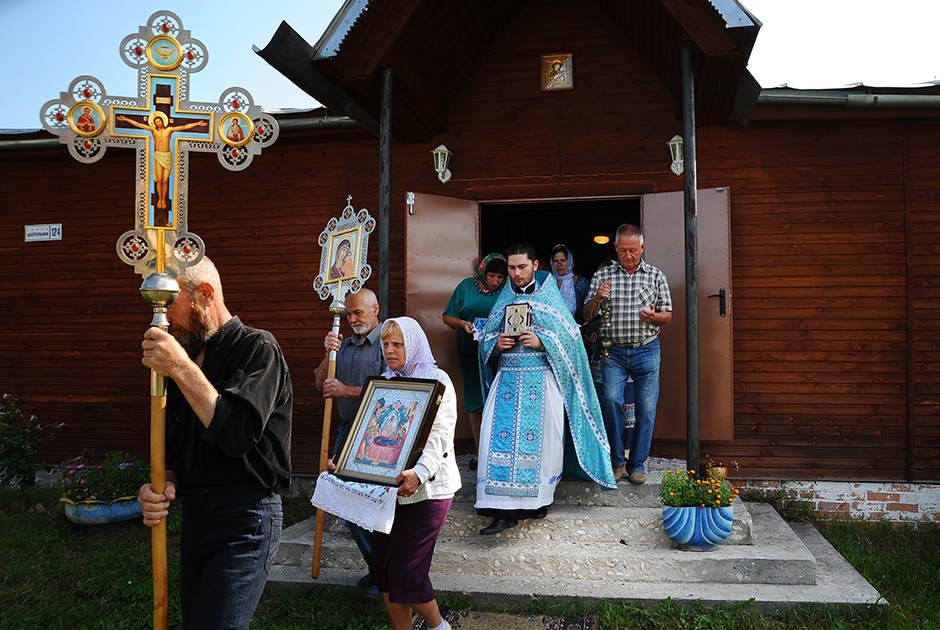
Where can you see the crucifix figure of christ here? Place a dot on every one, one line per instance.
(156, 122)
(163, 126)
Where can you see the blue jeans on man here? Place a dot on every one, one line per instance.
(642, 365)
(229, 539)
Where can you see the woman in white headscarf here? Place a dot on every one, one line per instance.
(401, 559)
(573, 288)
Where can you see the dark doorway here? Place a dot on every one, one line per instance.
(545, 224)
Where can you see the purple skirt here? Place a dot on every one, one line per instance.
(401, 559)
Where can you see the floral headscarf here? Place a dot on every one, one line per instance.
(418, 357)
(481, 274)
(566, 281)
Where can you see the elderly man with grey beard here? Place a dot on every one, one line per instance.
(357, 358)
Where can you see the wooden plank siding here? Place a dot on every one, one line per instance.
(820, 246)
(835, 229)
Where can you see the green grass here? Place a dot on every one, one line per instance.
(56, 575)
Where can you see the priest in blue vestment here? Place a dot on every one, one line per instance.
(542, 371)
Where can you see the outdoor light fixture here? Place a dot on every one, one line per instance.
(441, 160)
(601, 239)
(678, 160)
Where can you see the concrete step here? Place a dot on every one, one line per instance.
(634, 525)
(580, 542)
(836, 581)
(597, 544)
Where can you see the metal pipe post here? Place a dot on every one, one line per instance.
(385, 193)
(690, 181)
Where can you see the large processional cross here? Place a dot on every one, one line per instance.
(163, 125)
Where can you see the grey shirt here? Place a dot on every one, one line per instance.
(357, 359)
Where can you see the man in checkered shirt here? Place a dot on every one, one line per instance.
(639, 301)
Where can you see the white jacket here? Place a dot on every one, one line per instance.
(437, 466)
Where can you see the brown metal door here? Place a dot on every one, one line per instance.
(664, 229)
(442, 247)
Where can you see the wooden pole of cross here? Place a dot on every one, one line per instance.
(163, 126)
(337, 310)
(343, 269)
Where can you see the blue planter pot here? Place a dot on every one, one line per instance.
(100, 513)
(698, 528)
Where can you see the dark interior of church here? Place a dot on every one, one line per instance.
(576, 224)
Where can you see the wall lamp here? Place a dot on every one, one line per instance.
(601, 239)
(678, 159)
(441, 159)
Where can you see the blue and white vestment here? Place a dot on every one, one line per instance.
(522, 435)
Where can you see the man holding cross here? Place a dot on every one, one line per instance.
(228, 437)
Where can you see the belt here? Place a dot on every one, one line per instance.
(630, 346)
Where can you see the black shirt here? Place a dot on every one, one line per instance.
(249, 438)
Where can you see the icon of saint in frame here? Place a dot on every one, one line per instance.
(557, 72)
(344, 254)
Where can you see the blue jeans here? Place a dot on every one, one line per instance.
(228, 543)
(642, 365)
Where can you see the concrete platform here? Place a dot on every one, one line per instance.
(602, 545)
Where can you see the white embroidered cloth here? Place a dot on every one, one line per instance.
(367, 505)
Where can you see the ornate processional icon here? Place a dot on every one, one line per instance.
(345, 243)
(163, 125)
(343, 269)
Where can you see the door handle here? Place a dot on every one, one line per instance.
(721, 295)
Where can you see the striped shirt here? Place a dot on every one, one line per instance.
(629, 293)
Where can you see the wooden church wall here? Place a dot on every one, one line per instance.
(834, 234)
(923, 352)
(834, 267)
(72, 317)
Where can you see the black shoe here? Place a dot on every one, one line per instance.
(542, 512)
(472, 464)
(364, 581)
(498, 525)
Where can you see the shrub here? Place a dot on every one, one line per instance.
(19, 444)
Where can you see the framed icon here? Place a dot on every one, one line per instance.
(344, 254)
(557, 72)
(390, 428)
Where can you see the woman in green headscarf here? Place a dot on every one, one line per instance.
(473, 298)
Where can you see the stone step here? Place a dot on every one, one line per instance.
(598, 524)
(582, 493)
(576, 555)
(837, 583)
(580, 548)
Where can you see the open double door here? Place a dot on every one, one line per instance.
(442, 241)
